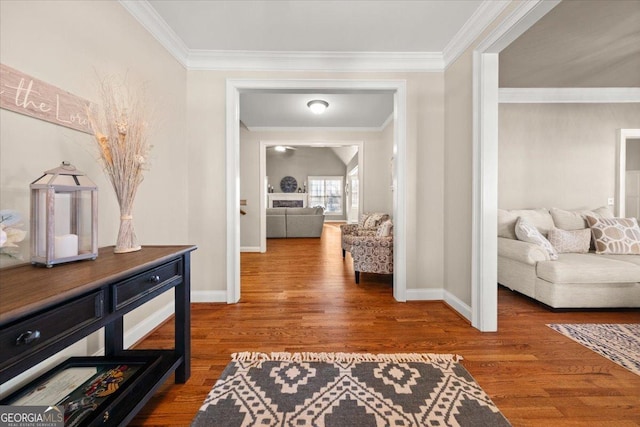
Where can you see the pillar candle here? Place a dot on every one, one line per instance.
(66, 246)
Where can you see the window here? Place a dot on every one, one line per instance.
(326, 191)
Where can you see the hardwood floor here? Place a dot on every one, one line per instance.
(301, 296)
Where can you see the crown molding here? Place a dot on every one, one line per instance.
(312, 129)
(471, 30)
(216, 60)
(194, 59)
(315, 61)
(147, 16)
(611, 95)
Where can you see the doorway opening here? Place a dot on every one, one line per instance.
(627, 173)
(235, 87)
(265, 145)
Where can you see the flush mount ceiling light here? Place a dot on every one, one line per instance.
(317, 106)
(280, 148)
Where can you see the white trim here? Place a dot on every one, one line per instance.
(485, 159)
(458, 305)
(250, 249)
(570, 95)
(471, 30)
(149, 18)
(209, 296)
(425, 294)
(232, 156)
(232, 145)
(621, 167)
(198, 59)
(315, 61)
(311, 129)
(484, 246)
(513, 26)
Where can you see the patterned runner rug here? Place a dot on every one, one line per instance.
(347, 389)
(619, 343)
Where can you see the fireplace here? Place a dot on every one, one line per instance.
(287, 200)
(288, 204)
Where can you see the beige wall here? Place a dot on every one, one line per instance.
(67, 44)
(458, 168)
(206, 142)
(560, 155)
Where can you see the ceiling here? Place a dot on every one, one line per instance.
(340, 29)
(317, 26)
(577, 44)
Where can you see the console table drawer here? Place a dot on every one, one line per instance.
(136, 289)
(50, 326)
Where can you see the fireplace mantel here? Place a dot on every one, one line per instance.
(287, 197)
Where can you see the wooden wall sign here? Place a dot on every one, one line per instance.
(32, 97)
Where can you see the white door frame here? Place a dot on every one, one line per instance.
(350, 173)
(296, 143)
(621, 167)
(232, 157)
(484, 258)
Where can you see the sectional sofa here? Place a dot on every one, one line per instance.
(294, 222)
(577, 277)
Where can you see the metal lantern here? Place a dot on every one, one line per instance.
(64, 217)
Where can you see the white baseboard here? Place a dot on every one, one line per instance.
(440, 295)
(425, 294)
(138, 331)
(209, 296)
(249, 248)
(458, 305)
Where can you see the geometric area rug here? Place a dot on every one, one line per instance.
(346, 389)
(619, 343)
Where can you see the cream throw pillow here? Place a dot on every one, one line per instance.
(615, 235)
(570, 241)
(576, 220)
(385, 229)
(528, 233)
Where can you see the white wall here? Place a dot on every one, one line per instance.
(67, 44)
(560, 155)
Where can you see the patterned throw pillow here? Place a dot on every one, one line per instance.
(385, 229)
(363, 219)
(528, 233)
(615, 235)
(373, 220)
(574, 241)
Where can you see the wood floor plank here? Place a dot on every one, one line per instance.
(301, 296)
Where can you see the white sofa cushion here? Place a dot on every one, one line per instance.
(518, 250)
(529, 233)
(570, 241)
(587, 268)
(576, 220)
(540, 218)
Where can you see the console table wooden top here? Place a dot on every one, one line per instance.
(25, 287)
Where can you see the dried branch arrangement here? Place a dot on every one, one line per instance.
(120, 128)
